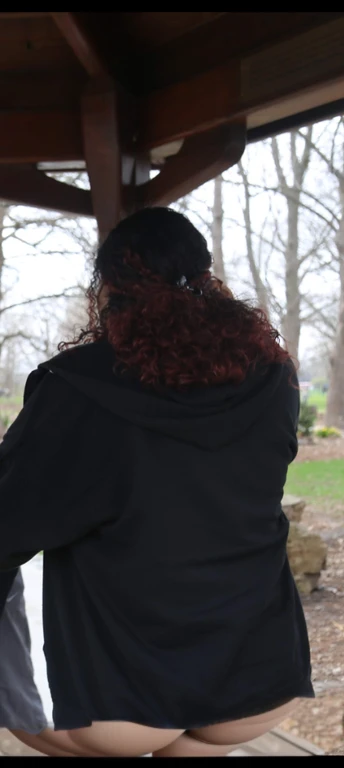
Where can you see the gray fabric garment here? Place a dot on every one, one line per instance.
(20, 703)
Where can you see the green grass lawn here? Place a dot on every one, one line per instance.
(318, 399)
(11, 402)
(317, 480)
(9, 409)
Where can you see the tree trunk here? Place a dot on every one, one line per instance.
(335, 399)
(217, 231)
(291, 326)
(259, 285)
(292, 321)
(3, 212)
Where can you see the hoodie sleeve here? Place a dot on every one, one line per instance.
(292, 400)
(49, 467)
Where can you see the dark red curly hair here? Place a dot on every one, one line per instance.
(170, 322)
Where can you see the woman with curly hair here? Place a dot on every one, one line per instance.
(149, 463)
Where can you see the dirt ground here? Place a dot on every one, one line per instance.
(322, 449)
(321, 720)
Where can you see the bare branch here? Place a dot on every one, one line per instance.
(328, 160)
(277, 161)
(63, 295)
(305, 158)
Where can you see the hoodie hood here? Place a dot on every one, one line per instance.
(209, 418)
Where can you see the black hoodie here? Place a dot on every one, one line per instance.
(168, 598)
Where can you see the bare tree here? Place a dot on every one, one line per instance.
(3, 211)
(292, 193)
(334, 163)
(254, 260)
(38, 232)
(210, 219)
(217, 231)
(289, 242)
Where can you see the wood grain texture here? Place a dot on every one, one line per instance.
(200, 159)
(27, 185)
(38, 136)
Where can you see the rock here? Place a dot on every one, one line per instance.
(337, 752)
(293, 507)
(305, 440)
(307, 557)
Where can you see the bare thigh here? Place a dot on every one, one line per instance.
(122, 739)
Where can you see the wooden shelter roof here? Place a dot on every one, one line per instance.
(124, 92)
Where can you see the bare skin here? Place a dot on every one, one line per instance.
(52, 743)
(124, 739)
(219, 740)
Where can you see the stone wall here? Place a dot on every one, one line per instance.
(306, 551)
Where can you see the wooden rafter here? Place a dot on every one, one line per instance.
(73, 28)
(199, 104)
(239, 86)
(28, 186)
(227, 36)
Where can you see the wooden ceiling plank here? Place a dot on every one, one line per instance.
(233, 34)
(238, 87)
(28, 186)
(73, 28)
(201, 158)
(39, 136)
(35, 45)
(40, 91)
(196, 105)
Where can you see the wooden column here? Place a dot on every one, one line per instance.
(115, 171)
(103, 152)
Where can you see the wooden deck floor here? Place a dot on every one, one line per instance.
(277, 743)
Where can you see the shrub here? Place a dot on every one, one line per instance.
(5, 420)
(328, 432)
(308, 414)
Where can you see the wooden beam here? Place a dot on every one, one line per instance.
(293, 67)
(26, 90)
(192, 106)
(28, 186)
(102, 152)
(234, 34)
(73, 28)
(234, 89)
(39, 136)
(200, 159)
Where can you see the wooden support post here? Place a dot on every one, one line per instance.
(116, 174)
(103, 152)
